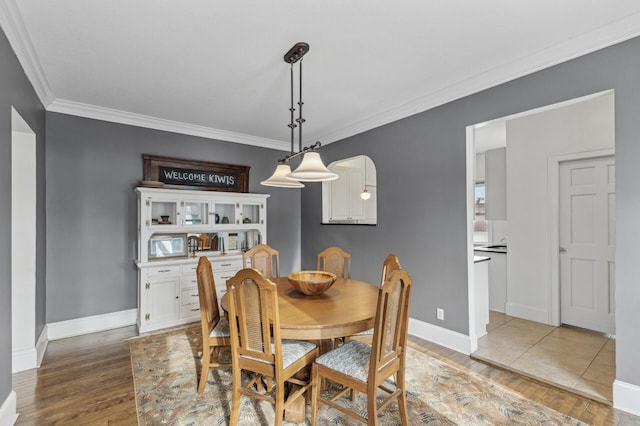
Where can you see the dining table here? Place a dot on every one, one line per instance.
(346, 308)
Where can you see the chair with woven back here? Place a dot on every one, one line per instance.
(257, 346)
(365, 368)
(333, 259)
(390, 264)
(263, 258)
(215, 329)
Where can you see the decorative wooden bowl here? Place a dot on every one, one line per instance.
(312, 283)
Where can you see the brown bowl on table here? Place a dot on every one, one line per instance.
(312, 283)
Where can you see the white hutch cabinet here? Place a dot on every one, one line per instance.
(167, 285)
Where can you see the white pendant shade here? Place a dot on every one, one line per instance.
(279, 179)
(312, 169)
(365, 195)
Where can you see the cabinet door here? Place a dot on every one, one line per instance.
(164, 300)
(195, 213)
(252, 212)
(161, 212)
(356, 186)
(340, 195)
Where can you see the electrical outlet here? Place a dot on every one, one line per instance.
(440, 314)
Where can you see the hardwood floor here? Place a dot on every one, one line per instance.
(84, 380)
(87, 380)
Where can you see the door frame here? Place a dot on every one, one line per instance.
(554, 222)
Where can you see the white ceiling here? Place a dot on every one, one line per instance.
(215, 69)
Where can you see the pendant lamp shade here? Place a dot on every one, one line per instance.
(365, 195)
(312, 169)
(279, 179)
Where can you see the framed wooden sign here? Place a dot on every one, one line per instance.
(194, 174)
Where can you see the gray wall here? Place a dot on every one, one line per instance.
(16, 91)
(422, 193)
(92, 168)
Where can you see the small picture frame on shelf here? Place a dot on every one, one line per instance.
(233, 241)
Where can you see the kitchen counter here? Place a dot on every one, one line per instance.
(492, 249)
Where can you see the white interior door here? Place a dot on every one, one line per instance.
(587, 243)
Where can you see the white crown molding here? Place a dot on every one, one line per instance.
(13, 26)
(124, 117)
(617, 32)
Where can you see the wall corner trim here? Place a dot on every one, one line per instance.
(41, 345)
(442, 336)
(92, 324)
(8, 413)
(626, 397)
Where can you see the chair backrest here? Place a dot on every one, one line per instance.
(388, 348)
(253, 300)
(390, 264)
(333, 259)
(262, 258)
(209, 311)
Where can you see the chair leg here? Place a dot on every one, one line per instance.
(315, 393)
(204, 373)
(279, 408)
(235, 396)
(402, 398)
(372, 409)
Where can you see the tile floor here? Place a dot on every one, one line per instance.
(578, 360)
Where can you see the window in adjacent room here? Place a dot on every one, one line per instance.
(480, 233)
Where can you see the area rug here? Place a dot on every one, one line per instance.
(166, 366)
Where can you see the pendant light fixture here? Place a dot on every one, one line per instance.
(311, 169)
(365, 195)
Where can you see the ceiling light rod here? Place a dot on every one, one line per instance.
(311, 168)
(302, 151)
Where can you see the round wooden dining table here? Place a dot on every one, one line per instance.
(347, 308)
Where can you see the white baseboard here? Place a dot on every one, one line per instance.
(8, 413)
(79, 326)
(527, 312)
(24, 359)
(41, 345)
(626, 397)
(442, 336)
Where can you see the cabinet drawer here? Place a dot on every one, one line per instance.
(226, 265)
(190, 311)
(222, 277)
(189, 281)
(163, 271)
(190, 297)
(189, 269)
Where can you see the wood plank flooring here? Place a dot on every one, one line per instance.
(87, 380)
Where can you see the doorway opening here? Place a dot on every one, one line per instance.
(536, 142)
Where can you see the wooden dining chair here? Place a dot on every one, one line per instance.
(390, 264)
(257, 347)
(263, 258)
(333, 259)
(215, 329)
(365, 368)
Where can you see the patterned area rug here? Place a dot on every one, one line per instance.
(166, 365)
